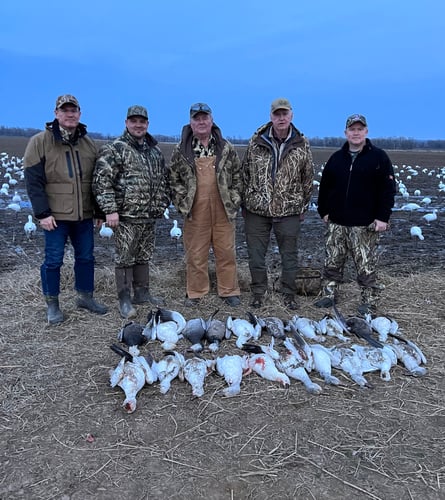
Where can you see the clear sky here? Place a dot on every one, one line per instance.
(382, 58)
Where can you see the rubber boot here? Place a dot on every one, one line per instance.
(141, 280)
(85, 301)
(53, 313)
(124, 277)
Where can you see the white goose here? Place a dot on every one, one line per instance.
(30, 228)
(105, 231)
(232, 368)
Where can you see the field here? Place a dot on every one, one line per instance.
(65, 435)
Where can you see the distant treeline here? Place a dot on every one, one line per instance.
(403, 143)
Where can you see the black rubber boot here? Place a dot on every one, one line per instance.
(141, 286)
(85, 301)
(124, 278)
(53, 313)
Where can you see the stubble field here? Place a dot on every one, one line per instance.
(66, 436)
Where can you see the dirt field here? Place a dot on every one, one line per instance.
(65, 435)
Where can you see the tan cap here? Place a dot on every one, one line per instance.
(66, 99)
(280, 103)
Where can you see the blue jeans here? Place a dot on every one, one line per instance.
(81, 235)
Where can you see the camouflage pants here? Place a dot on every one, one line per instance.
(134, 243)
(361, 243)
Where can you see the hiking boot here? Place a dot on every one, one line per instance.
(191, 302)
(324, 302)
(53, 313)
(257, 301)
(85, 301)
(232, 301)
(289, 301)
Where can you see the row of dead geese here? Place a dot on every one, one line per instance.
(301, 351)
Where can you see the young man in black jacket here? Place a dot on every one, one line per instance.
(355, 200)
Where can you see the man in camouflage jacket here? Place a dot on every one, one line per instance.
(206, 184)
(278, 176)
(131, 188)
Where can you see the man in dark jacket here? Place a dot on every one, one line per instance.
(355, 200)
(59, 164)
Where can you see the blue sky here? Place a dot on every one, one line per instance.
(381, 58)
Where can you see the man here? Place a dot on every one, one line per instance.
(278, 176)
(205, 180)
(356, 197)
(130, 185)
(59, 163)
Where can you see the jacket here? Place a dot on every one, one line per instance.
(182, 174)
(355, 194)
(277, 186)
(131, 179)
(58, 174)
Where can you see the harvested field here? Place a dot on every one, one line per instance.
(66, 436)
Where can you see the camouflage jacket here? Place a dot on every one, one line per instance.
(131, 179)
(277, 187)
(58, 173)
(182, 174)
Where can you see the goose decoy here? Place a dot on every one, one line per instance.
(30, 228)
(430, 217)
(175, 231)
(131, 334)
(232, 368)
(416, 232)
(105, 231)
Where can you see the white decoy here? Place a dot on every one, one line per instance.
(426, 200)
(166, 213)
(175, 231)
(14, 206)
(16, 198)
(410, 207)
(417, 192)
(430, 217)
(30, 228)
(416, 232)
(105, 231)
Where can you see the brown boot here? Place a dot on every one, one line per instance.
(124, 277)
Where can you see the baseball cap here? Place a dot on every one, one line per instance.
(280, 103)
(356, 119)
(137, 110)
(199, 107)
(66, 99)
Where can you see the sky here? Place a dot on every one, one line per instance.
(381, 58)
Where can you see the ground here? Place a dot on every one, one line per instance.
(66, 436)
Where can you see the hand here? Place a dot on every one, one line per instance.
(112, 220)
(326, 218)
(380, 226)
(48, 223)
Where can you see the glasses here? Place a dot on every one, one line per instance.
(200, 107)
(69, 110)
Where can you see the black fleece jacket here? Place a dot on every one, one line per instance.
(356, 193)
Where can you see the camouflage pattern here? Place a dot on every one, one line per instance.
(131, 179)
(290, 191)
(199, 107)
(137, 111)
(361, 242)
(66, 99)
(182, 174)
(134, 243)
(356, 119)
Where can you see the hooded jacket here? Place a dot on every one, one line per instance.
(182, 173)
(58, 173)
(131, 179)
(277, 185)
(356, 193)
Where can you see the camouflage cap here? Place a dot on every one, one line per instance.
(66, 99)
(199, 107)
(280, 103)
(356, 119)
(137, 110)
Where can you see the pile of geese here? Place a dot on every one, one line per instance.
(295, 350)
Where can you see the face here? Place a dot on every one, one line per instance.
(281, 119)
(356, 135)
(201, 125)
(137, 126)
(68, 116)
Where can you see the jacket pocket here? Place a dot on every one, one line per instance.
(61, 198)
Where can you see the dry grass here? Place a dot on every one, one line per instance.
(267, 443)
